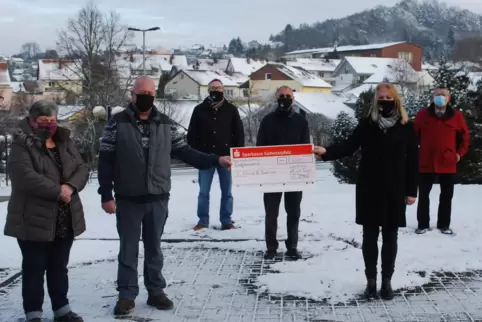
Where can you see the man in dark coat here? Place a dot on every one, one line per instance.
(444, 139)
(135, 162)
(283, 127)
(215, 127)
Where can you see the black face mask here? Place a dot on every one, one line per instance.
(284, 103)
(144, 102)
(386, 107)
(216, 96)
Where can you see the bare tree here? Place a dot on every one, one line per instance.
(21, 101)
(30, 49)
(171, 110)
(94, 38)
(468, 49)
(320, 127)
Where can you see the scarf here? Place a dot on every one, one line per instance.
(215, 105)
(387, 122)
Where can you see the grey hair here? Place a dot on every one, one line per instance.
(43, 108)
(283, 87)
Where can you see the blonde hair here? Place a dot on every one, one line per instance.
(374, 112)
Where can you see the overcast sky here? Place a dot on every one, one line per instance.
(183, 22)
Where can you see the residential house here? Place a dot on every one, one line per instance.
(266, 80)
(194, 84)
(327, 104)
(130, 66)
(212, 64)
(321, 67)
(243, 66)
(354, 71)
(59, 77)
(5, 86)
(402, 49)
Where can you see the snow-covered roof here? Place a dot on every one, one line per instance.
(304, 78)
(245, 109)
(344, 48)
(59, 70)
(203, 77)
(394, 71)
(474, 79)
(4, 75)
(17, 59)
(17, 87)
(126, 62)
(246, 66)
(17, 71)
(211, 64)
(314, 64)
(427, 66)
(370, 65)
(356, 92)
(327, 104)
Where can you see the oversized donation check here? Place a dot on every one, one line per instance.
(274, 168)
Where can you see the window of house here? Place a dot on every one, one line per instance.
(181, 76)
(51, 84)
(406, 56)
(267, 76)
(246, 92)
(322, 74)
(229, 92)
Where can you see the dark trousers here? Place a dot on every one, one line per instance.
(45, 258)
(133, 220)
(426, 182)
(370, 250)
(293, 211)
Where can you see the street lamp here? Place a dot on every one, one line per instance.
(144, 43)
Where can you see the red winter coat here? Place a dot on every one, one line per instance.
(441, 139)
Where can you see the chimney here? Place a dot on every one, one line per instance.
(171, 60)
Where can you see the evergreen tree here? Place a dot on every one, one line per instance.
(344, 169)
(470, 167)
(364, 103)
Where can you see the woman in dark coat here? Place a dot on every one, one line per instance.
(386, 180)
(44, 211)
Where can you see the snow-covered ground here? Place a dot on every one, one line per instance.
(328, 236)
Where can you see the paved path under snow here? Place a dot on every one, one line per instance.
(219, 285)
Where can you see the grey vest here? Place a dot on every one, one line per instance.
(132, 178)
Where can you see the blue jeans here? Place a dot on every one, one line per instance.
(205, 179)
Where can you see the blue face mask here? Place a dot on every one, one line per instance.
(440, 101)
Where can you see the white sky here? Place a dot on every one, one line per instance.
(183, 22)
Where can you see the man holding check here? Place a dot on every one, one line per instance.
(283, 127)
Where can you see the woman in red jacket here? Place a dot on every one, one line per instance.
(444, 139)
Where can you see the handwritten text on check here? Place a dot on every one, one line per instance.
(274, 167)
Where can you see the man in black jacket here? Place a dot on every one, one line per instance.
(283, 127)
(215, 127)
(135, 161)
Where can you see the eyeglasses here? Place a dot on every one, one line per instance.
(282, 96)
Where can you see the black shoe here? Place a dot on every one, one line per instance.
(420, 231)
(293, 254)
(160, 302)
(124, 307)
(69, 317)
(386, 291)
(270, 255)
(371, 289)
(446, 231)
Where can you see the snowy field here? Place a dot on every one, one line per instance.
(329, 239)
